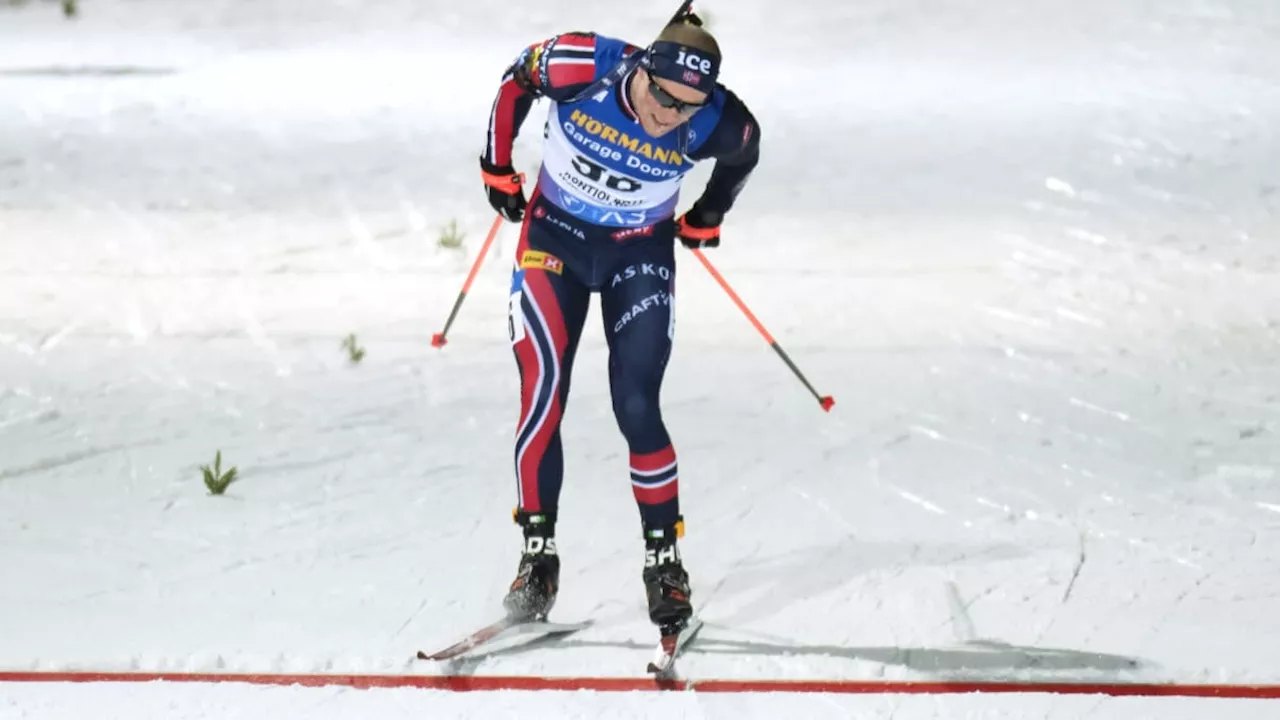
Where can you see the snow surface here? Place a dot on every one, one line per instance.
(183, 702)
(1031, 248)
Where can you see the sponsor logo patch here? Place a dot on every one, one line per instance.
(539, 259)
(625, 233)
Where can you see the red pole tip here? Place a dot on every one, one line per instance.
(826, 402)
(438, 340)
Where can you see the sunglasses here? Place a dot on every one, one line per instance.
(666, 100)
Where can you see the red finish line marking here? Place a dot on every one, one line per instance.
(481, 683)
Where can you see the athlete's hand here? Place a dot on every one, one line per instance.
(506, 189)
(699, 228)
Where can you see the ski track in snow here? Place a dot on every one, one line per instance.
(1044, 291)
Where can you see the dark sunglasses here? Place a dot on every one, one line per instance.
(665, 99)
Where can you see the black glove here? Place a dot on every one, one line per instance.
(699, 228)
(506, 189)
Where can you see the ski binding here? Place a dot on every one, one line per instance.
(669, 647)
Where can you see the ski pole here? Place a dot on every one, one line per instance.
(438, 340)
(826, 401)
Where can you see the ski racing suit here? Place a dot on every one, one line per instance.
(601, 218)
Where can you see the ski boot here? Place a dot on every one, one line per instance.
(533, 592)
(665, 581)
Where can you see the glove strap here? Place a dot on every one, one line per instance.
(697, 233)
(509, 183)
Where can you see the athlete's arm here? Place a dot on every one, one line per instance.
(555, 68)
(735, 146)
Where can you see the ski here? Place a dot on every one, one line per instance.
(503, 629)
(669, 647)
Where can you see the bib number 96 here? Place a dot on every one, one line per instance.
(594, 173)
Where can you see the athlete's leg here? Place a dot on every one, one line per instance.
(637, 304)
(548, 306)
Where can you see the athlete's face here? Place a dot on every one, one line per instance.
(661, 104)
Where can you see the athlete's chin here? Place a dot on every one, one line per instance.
(657, 128)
